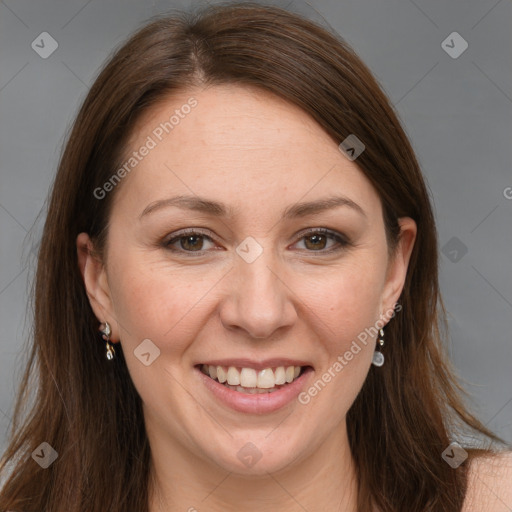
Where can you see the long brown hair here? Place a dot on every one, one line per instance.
(87, 408)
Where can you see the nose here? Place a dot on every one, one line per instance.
(258, 299)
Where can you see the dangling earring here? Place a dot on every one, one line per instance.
(378, 356)
(106, 332)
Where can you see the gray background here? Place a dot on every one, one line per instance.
(457, 112)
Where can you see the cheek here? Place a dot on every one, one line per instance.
(348, 308)
(350, 300)
(162, 305)
(153, 301)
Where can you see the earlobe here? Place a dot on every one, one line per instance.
(399, 263)
(95, 280)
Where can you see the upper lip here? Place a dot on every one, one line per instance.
(256, 365)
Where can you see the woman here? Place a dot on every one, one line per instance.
(237, 302)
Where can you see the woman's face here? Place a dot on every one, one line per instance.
(255, 286)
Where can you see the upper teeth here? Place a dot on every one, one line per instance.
(250, 378)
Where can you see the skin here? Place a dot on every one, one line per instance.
(489, 484)
(259, 155)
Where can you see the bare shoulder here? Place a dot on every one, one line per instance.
(490, 484)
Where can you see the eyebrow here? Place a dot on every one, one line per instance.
(218, 209)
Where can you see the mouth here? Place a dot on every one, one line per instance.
(251, 381)
(254, 387)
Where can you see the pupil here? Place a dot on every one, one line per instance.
(316, 237)
(189, 238)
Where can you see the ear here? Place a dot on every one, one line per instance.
(398, 264)
(96, 285)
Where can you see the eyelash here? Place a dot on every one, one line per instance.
(333, 235)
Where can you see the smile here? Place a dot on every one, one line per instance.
(248, 380)
(248, 390)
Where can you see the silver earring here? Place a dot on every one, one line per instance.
(378, 356)
(106, 332)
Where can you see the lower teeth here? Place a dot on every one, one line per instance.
(252, 391)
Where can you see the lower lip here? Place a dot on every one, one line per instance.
(262, 403)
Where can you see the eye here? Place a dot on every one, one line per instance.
(316, 239)
(192, 241)
(188, 241)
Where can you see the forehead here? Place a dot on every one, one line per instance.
(238, 144)
(230, 116)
